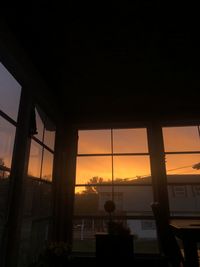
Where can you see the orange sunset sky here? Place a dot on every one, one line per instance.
(179, 139)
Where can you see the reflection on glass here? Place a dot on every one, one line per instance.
(47, 165)
(86, 200)
(84, 231)
(94, 142)
(49, 138)
(183, 195)
(89, 167)
(182, 164)
(4, 174)
(7, 136)
(130, 141)
(129, 200)
(181, 139)
(91, 199)
(128, 168)
(39, 125)
(10, 91)
(35, 158)
(37, 212)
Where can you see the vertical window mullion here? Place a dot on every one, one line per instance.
(112, 166)
(42, 153)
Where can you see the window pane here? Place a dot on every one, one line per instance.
(7, 136)
(47, 165)
(144, 231)
(94, 142)
(10, 91)
(127, 168)
(49, 138)
(89, 167)
(130, 141)
(37, 212)
(183, 184)
(181, 138)
(45, 127)
(182, 164)
(4, 189)
(184, 198)
(86, 201)
(39, 125)
(130, 199)
(34, 167)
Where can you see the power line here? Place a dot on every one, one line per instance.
(179, 168)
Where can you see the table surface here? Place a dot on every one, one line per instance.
(186, 226)
(188, 231)
(185, 223)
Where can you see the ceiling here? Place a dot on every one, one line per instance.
(128, 60)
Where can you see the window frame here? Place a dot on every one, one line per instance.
(113, 184)
(43, 147)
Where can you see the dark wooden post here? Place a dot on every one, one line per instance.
(18, 178)
(157, 162)
(64, 183)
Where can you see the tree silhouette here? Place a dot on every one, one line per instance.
(2, 163)
(92, 181)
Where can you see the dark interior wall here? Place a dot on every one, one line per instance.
(18, 62)
(127, 62)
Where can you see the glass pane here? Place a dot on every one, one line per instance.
(183, 164)
(35, 158)
(86, 200)
(129, 200)
(37, 214)
(128, 168)
(144, 231)
(10, 91)
(89, 167)
(7, 137)
(183, 184)
(94, 142)
(39, 125)
(84, 231)
(181, 138)
(184, 199)
(4, 189)
(47, 165)
(130, 141)
(145, 236)
(49, 138)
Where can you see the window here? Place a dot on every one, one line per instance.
(182, 157)
(7, 137)
(10, 92)
(37, 212)
(112, 164)
(42, 148)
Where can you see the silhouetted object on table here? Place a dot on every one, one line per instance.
(167, 242)
(116, 245)
(109, 207)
